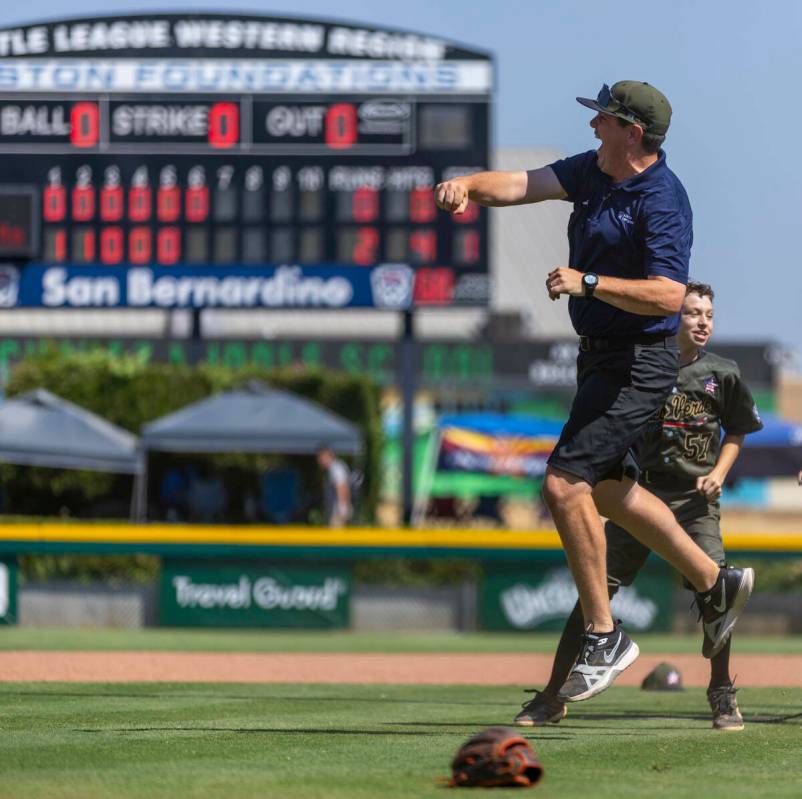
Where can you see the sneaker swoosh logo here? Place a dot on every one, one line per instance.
(723, 606)
(612, 651)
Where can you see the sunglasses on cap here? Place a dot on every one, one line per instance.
(606, 100)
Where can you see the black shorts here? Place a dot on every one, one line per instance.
(618, 391)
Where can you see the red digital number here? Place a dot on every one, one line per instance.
(366, 246)
(111, 245)
(421, 206)
(54, 203)
(55, 245)
(139, 203)
(111, 203)
(341, 126)
(86, 246)
(223, 125)
(423, 246)
(197, 204)
(168, 203)
(84, 125)
(168, 245)
(83, 203)
(468, 247)
(365, 204)
(470, 214)
(139, 245)
(434, 286)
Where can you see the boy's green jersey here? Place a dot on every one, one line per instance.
(683, 442)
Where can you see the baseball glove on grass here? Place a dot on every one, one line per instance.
(497, 757)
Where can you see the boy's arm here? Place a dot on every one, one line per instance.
(710, 484)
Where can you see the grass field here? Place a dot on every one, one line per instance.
(182, 640)
(309, 742)
(145, 741)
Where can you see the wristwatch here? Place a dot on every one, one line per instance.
(589, 282)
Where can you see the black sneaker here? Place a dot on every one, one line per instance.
(541, 710)
(602, 659)
(722, 605)
(726, 715)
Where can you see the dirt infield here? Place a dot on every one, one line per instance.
(372, 669)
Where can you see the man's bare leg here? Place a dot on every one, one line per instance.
(649, 520)
(570, 500)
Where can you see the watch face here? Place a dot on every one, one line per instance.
(590, 280)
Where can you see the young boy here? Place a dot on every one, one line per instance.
(685, 462)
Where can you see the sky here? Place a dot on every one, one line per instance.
(732, 71)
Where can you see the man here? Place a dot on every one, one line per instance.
(337, 495)
(685, 462)
(630, 236)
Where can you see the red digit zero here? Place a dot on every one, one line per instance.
(111, 203)
(84, 125)
(168, 203)
(83, 203)
(197, 204)
(54, 203)
(111, 245)
(139, 203)
(341, 126)
(139, 245)
(421, 205)
(168, 245)
(223, 125)
(365, 204)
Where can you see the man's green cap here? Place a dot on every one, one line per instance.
(635, 102)
(663, 677)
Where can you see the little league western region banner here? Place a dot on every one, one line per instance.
(388, 286)
(496, 444)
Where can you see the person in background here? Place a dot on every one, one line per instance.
(338, 507)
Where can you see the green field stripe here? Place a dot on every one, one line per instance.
(135, 741)
(185, 640)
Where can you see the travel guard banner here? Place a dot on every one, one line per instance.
(388, 286)
(231, 594)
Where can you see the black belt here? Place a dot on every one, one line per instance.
(593, 344)
(667, 480)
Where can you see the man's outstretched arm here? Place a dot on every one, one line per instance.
(498, 189)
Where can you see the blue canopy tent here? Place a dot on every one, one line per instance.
(774, 451)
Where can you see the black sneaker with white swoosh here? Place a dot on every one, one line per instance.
(603, 657)
(722, 605)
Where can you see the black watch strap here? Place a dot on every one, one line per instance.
(589, 285)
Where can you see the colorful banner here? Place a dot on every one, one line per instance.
(496, 444)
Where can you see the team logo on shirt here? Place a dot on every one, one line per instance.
(711, 386)
(625, 218)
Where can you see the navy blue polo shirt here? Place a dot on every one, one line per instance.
(640, 227)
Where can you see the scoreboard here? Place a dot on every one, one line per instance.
(212, 144)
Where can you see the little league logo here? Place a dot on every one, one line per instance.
(392, 286)
(9, 286)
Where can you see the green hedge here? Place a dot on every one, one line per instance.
(128, 391)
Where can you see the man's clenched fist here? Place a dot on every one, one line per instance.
(451, 196)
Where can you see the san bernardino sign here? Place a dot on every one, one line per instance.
(204, 594)
(387, 286)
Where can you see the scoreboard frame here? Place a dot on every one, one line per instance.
(144, 137)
